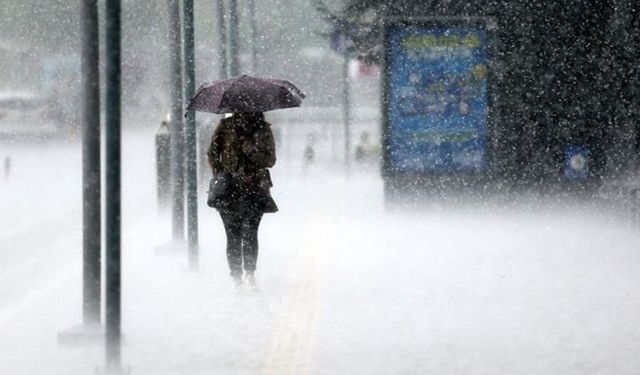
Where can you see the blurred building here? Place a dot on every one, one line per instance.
(565, 77)
(16, 62)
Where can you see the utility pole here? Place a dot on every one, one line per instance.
(91, 210)
(191, 140)
(177, 128)
(254, 35)
(346, 112)
(222, 31)
(113, 186)
(234, 36)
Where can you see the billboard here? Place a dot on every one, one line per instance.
(436, 97)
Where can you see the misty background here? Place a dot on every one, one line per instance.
(40, 48)
(528, 274)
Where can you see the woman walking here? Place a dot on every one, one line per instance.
(242, 149)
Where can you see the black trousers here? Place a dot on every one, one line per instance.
(242, 240)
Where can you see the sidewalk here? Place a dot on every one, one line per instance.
(346, 288)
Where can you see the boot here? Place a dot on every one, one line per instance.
(237, 280)
(251, 280)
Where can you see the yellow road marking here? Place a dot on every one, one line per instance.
(291, 347)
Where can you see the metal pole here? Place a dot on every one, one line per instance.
(346, 112)
(113, 214)
(177, 130)
(622, 78)
(222, 31)
(191, 140)
(254, 35)
(234, 35)
(91, 210)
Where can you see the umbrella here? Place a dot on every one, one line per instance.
(245, 94)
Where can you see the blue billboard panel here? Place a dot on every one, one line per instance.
(437, 92)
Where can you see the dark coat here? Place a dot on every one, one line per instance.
(245, 149)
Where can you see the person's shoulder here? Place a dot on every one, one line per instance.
(224, 123)
(222, 127)
(265, 127)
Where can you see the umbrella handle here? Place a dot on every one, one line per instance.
(188, 109)
(189, 106)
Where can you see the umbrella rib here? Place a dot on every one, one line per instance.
(234, 83)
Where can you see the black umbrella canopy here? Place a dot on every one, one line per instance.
(246, 94)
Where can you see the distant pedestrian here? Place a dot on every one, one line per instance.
(7, 167)
(365, 150)
(242, 149)
(309, 150)
(363, 147)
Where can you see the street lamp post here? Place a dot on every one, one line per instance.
(176, 123)
(91, 210)
(234, 36)
(113, 185)
(191, 140)
(222, 32)
(90, 330)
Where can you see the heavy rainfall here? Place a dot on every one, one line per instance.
(319, 187)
